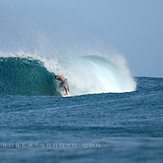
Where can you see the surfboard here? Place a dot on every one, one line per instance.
(66, 95)
(62, 91)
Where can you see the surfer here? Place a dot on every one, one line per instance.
(63, 84)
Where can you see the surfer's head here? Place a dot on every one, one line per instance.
(59, 77)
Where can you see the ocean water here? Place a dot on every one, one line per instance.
(92, 128)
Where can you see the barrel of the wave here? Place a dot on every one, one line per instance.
(26, 76)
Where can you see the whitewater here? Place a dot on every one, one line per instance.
(33, 74)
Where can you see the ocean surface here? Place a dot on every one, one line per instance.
(93, 128)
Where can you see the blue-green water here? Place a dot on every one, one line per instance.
(126, 127)
(25, 76)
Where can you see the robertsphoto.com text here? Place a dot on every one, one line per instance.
(49, 145)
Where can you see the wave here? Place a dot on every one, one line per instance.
(29, 74)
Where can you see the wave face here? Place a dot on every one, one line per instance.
(25, 76)
(34, 75)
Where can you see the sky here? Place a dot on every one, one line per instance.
(131, 27)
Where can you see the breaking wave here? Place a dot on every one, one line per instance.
(29, 74)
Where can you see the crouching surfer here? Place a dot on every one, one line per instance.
(63, 84)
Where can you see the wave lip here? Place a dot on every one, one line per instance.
(25, 76)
